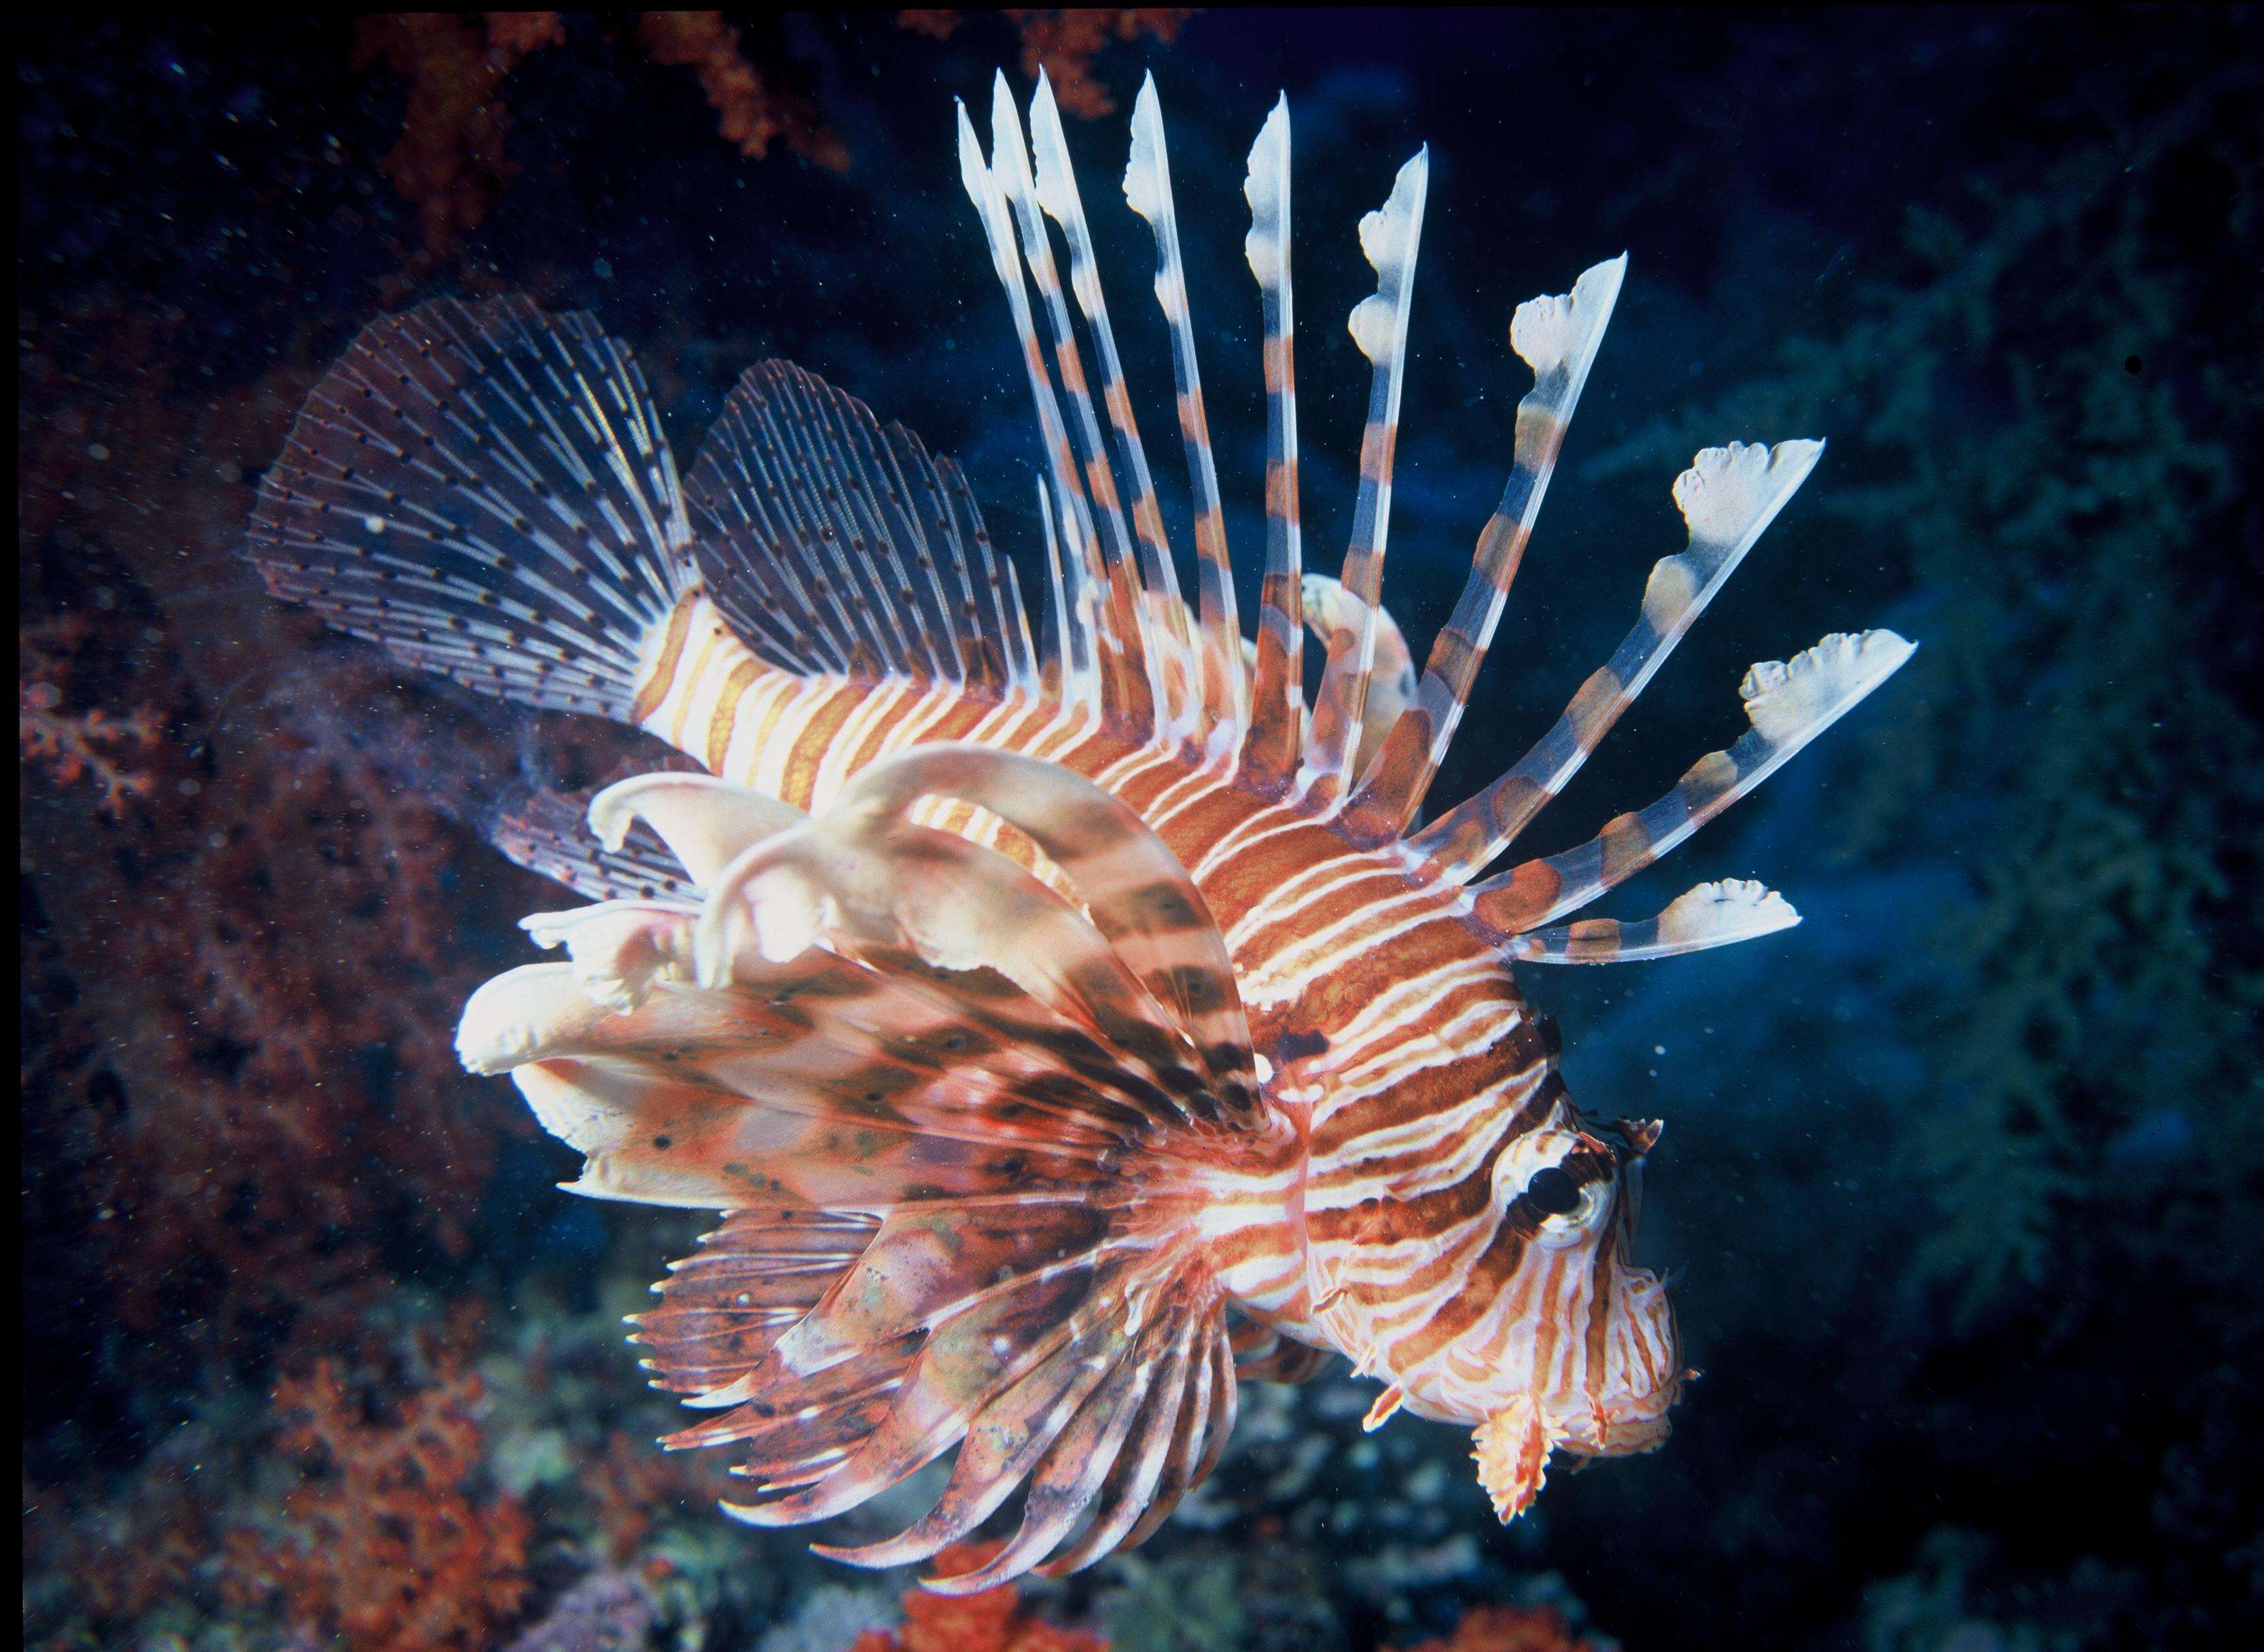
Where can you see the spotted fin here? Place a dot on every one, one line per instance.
(484, 490)
(833, 545)
(548, 834)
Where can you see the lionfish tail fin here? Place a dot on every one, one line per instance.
(485, 490)
(977, 1135)
(1788, 704)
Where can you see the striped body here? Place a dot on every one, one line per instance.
(1070, 1032)
(1396, 1039)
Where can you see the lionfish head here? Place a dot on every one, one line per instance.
(1578, 1351)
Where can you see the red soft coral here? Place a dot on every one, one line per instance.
(1509, 1629)
(994, 1620)
(392, 1549)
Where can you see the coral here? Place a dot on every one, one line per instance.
(754, 113)
(390, 1545)
(70, 746)
(449, 162)
(1063, 44)
(1509, 1629)
(607, 1611)
(995, 1620)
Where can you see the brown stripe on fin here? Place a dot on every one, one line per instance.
(1728, 498)
(1389, 239)
(1711, 915)
(1557, 337)
(1126, 691)
(1147, 191)
(549, 833)
(1788, 705)
(1277, 702)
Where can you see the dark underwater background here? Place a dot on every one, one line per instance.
(1961, 1186)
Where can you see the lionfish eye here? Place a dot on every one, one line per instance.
(1553, 1193)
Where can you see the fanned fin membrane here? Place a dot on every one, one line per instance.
(484, 490)
(835, 546)
(548, 834)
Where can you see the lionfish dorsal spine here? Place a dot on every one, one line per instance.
(1557, 337)
(1127, 624)
(1057, 195)
(1277, 703)
(1147, 191)
(1388, 238)
(1728, 498)
(1788, 704)
(1119, 692)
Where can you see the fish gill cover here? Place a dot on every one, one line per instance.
(317, 1349)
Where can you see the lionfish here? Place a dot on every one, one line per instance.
(1067, 1030)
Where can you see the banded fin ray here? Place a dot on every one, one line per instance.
(1728, 498)
(1148, 191)
(1277, 696)
(1557, 337)
(1788, 704)
(485, 490)
(1126, 689)
(1711, 915)
(1389, 239)
(1056, 193)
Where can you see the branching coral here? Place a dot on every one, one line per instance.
(392, 1548)
(450, 161)
(1509, 1629)
(1063, 43)
(74, 745)
(754, 113)
(995, 1620)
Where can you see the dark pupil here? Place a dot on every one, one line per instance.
(1552, 1192)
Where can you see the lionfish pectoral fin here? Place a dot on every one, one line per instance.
(948, 1105)
(1512, 1447)
(834, 545)
(484, 490)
